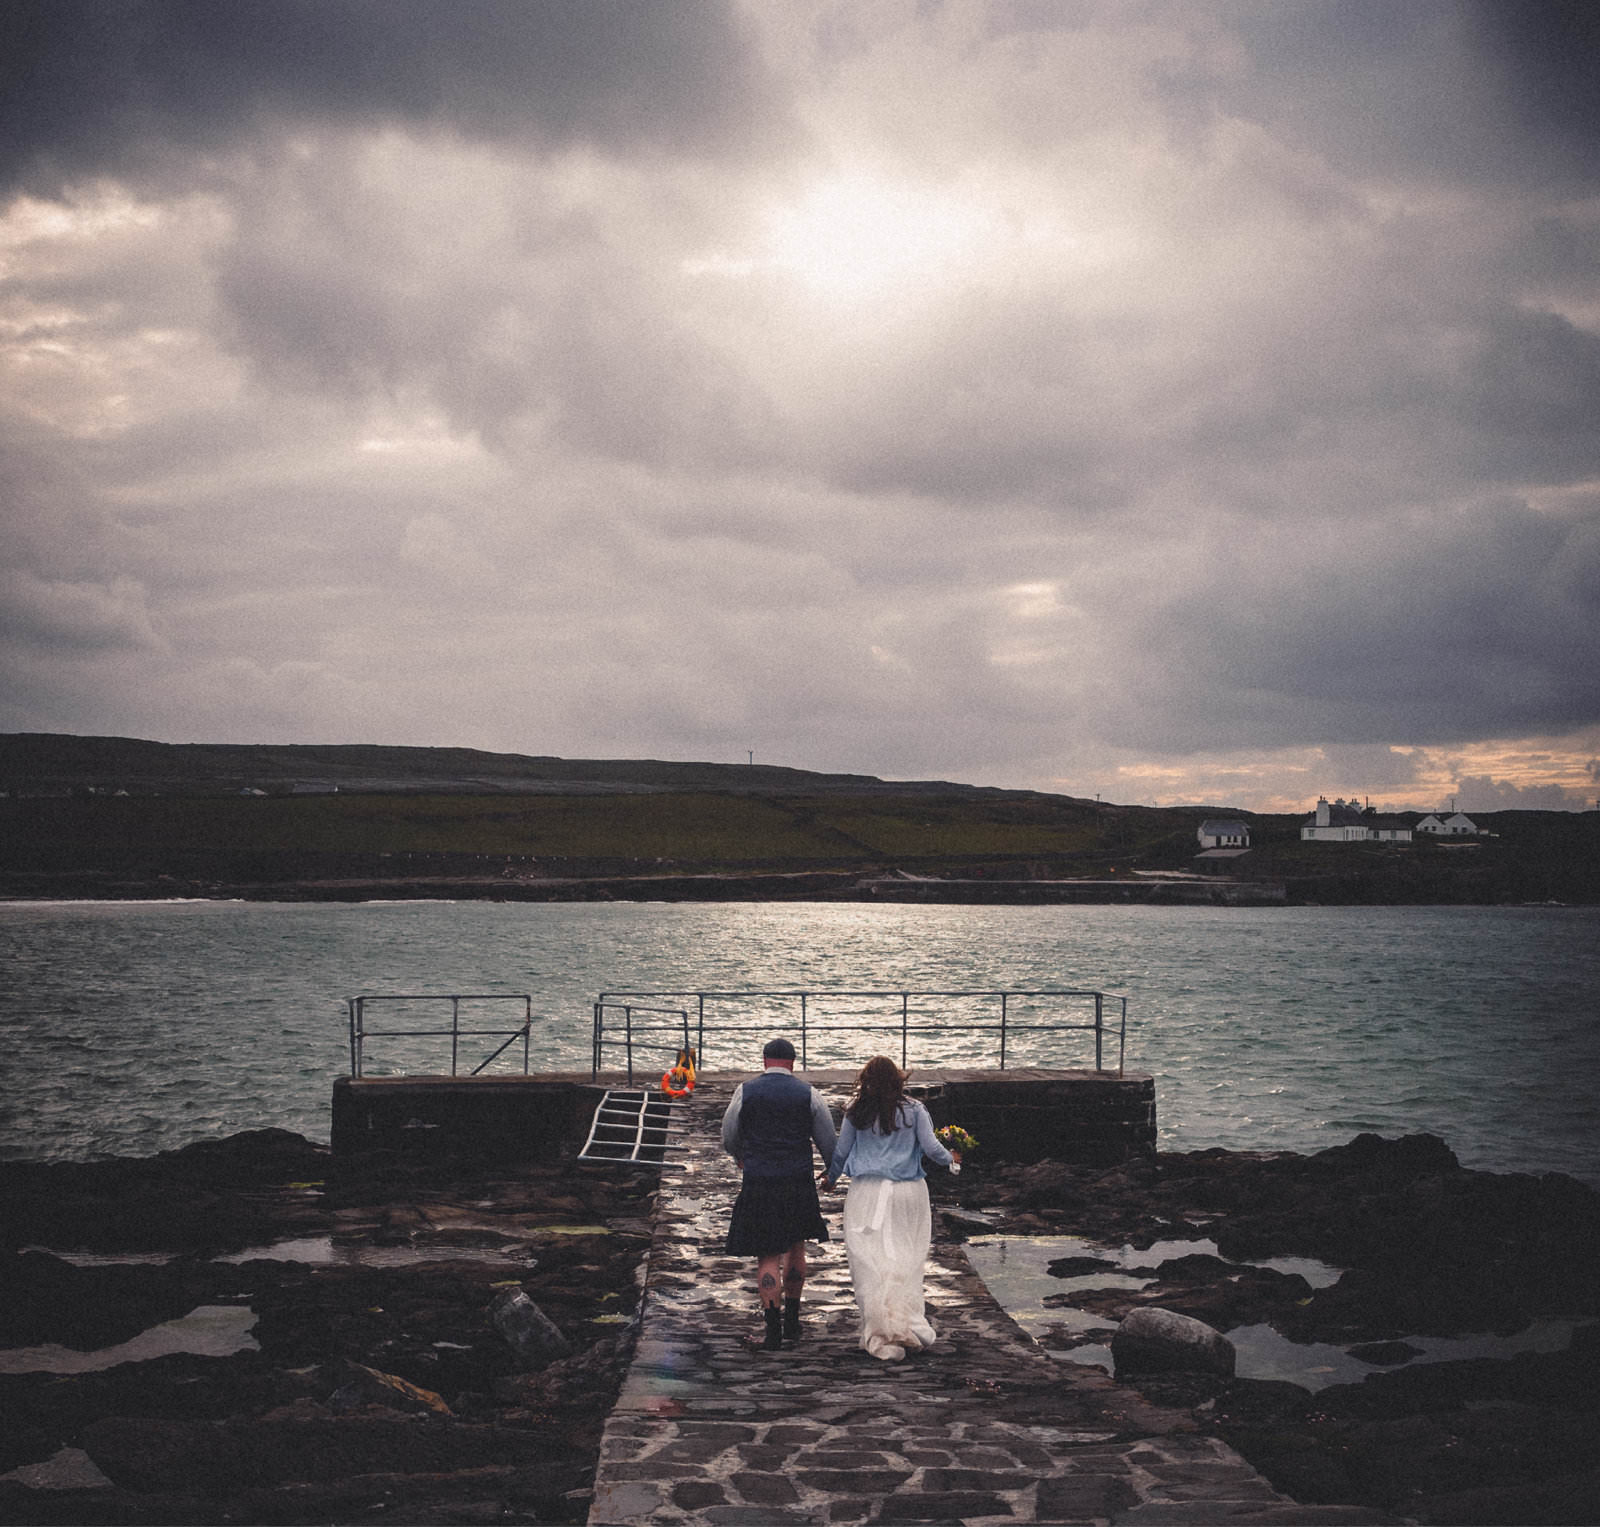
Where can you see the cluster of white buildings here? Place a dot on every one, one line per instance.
(1343, 821)
(1337, 821)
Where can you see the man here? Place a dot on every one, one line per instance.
(769, 1129)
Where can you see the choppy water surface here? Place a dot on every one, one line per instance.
(130, 1028)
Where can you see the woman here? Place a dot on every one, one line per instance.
(888, 1224)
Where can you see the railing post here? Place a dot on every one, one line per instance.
(527, 1032)
(700, 1031)
(353, 1005)
(455, 1031)
(803, 1020)
(1099, 1030)
(1003, 1013)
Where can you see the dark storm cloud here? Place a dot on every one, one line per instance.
(1441, 626)
(1498, 92)
(98, 87)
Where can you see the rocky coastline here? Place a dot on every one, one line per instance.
(380, 1379)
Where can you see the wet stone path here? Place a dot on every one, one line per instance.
(984, 1427)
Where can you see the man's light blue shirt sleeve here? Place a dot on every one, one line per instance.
(822, 1125)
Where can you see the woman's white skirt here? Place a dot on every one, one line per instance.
(888, 1228)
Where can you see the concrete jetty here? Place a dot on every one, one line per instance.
(984, 1428)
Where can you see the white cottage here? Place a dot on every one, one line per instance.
(1456, 825)
(1223, 832)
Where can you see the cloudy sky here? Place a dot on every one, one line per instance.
(1172, 400)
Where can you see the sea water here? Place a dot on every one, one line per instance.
(128, 1028)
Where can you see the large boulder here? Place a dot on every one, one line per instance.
(1154, 1340)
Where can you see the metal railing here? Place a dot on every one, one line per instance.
(639, 1035)
(360, 1033)
(809, 1018)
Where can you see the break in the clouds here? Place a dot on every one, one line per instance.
(1174, 402)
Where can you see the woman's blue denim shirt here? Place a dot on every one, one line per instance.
(866, 1153)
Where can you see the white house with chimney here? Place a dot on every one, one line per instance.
(1342, 821)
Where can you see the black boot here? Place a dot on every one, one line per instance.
(791, 1320)
(774, 1337)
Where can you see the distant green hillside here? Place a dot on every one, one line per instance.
(42, 761)
(114, 816)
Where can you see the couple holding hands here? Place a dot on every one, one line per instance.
(770, 1128)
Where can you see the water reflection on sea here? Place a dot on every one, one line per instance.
(130, 1028)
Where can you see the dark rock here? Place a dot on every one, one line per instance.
(1048, 1184)
(361, 1385)
(1385, 1354)
(1400, 1160)
(1194, 1268)
(961, 1226)
(48, 1299)
(219, 1458)
(528, 1331)
(193, 1199)
(253, 1437)
(1567, 1498)
(1078, 1267)
(583, 1381)
(1384, 1306)
(148, 1454)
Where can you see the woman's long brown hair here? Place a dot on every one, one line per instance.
(880, 1090)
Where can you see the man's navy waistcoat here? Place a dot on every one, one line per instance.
(775, 1125)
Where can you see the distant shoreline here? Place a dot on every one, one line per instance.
(799, 886)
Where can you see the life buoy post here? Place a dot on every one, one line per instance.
(677, 1081)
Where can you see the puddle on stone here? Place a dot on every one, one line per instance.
(1266, 1354)
(208, 1330)
(326, 1251)
(1013, 1268)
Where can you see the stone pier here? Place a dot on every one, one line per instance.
(1021, 1114)
(984, 1428)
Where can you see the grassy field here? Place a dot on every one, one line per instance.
(699, 830)
(131, 818)
(681, 828)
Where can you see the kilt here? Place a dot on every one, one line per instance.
(772, 1213)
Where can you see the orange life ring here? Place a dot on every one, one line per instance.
(677, 1081)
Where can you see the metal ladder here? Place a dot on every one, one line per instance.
(633, 1125)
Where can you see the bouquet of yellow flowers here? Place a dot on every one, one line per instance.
(954, 1138)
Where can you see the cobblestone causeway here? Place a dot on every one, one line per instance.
(985, 1427)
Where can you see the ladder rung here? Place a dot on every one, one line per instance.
(622, 1121)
